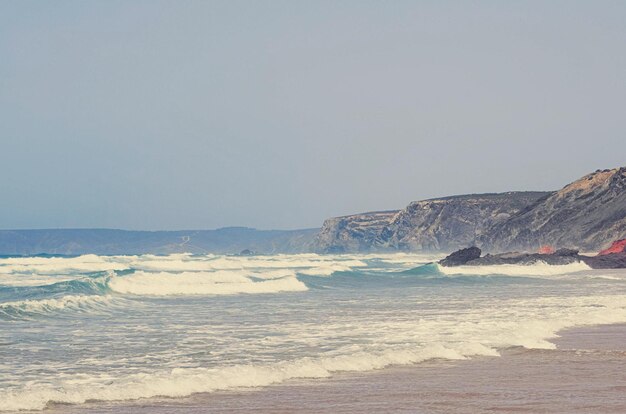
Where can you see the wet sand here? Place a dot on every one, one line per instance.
(585, 374)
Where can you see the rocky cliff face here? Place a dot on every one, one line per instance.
(355, 233)
(587, 214)
(440, 224)
(446, 224)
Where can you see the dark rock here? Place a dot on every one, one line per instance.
(524, 259)
(471, 257)
(606, 261)
(246, 252)
(609, 261)
(461, 257)
(566, 252)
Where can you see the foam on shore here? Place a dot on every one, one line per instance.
(480, 340)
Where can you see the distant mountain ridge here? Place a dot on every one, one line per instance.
(229, 240)
(587, 214)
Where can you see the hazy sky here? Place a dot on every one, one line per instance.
(184, 114)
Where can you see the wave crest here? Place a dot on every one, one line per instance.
(205, 283)
(537, 269)
(29, 307)
(182, 382)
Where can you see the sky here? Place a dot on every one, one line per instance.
(161, 115)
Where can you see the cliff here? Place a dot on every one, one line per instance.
(439, 224)
(445, 224)
(355, 233)
(587, 214)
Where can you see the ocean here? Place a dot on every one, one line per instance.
(75, 330)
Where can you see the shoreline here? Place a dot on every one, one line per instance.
(585, 373)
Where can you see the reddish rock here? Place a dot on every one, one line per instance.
(546, 249)
(618, 246)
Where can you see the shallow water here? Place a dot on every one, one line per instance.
(585, 374)
(129, 327)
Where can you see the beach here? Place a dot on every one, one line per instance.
(337, 207)
(586, 373)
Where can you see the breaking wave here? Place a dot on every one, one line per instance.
(59, 265)
(235, 263)
(187, 381)
(325, 270)
(480, 340)
(537, 269)
(31, 307)
(205, 283)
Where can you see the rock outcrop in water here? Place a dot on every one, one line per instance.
(612, 258)
(585, 215)
(559, 257)
(471, 256)
(461, 257)
(440, 224)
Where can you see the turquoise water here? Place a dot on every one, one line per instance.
(128, 327)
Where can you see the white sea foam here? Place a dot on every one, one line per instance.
(87, 258)
(186, 381)
(21, 279)
(606, 277)
(325, 270)
(69, 302)
(266, 273)
(311, 264)
(537, 269)
(58, 265)
(204, 283)
(407, 259)
(527, 322)
(238, 262)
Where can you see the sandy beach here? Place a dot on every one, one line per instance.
(586, 373)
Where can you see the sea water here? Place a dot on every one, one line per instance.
(112, 328)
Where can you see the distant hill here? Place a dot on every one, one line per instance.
(230, 240)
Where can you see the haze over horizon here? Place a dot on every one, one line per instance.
(276, 115)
